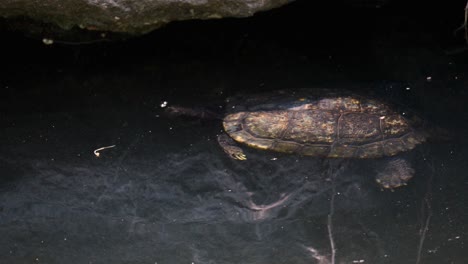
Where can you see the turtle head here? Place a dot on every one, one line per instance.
(191, 112)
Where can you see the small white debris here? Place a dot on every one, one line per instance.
(382, 117)
(274, 159)
(163, 104)
(96, 151)
(428, 78)
(47, 41)
(359, 261)
(407, 88)
(117, 18)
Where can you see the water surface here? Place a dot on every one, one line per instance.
(167, 193)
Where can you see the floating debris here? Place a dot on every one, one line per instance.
(96, 151)
(47, 41)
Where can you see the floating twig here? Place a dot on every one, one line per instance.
(464, 26)
(465, 23)
(332, 175)
(426, 213)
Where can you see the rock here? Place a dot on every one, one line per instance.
(126, 16)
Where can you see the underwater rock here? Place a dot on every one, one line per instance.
(133, 17)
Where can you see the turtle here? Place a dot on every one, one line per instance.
(331, 124)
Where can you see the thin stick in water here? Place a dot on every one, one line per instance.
(426, 212)
(330, 217)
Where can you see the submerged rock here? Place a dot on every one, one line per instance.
(127, 16)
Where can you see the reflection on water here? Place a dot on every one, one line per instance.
(167, 193)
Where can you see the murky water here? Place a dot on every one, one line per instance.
(167, 193)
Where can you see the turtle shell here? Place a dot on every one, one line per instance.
(340, 126)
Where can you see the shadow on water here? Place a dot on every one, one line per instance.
(166, 193)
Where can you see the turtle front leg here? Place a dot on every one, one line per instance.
(229, 147)
(395, 173)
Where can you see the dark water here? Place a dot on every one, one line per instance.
(166, 193)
